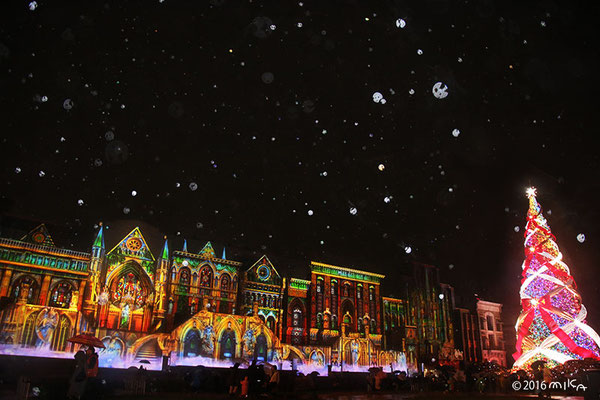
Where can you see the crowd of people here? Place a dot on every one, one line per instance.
(262, 379)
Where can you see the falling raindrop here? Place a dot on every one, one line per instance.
(267, 77)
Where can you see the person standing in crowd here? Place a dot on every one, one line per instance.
(245, 385)
(274, 380)
(91, 371)
(379, 377)
(234, 379)
(79, 377)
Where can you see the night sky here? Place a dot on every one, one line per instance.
(254, 125)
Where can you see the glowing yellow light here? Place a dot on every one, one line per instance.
(231, 50)
(531, 191)
(532, 249)
(534, 302)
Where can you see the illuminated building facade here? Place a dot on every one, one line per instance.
(490, 330)
(182, 304)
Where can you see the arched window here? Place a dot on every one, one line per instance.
(334, 322)
(29, 337)
(346, 292)
(60, 296)
(192, 343)
(20, 285)
(195, 279)
(360, 308)
(173, 275)
(271, 323)
(184, 276)
(319, 320)
(320, 290)
(225, 282)
(206, 277)
(61, 334)
(128, 289)
(334, 297)
(490, 323)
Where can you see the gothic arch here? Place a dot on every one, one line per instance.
(61, 334)
(138, 272)
(207, 272)
(34, 287)
(59, 298)
(130, 266)
(28, 336)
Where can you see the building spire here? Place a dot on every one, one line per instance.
(184, 246)
(224, 256)
(165, 251)
(99, 242)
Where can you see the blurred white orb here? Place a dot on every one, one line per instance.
(581, 238)
(440, 90)
(400, 23)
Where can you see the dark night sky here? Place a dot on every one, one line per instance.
(271, 123)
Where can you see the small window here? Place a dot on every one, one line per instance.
(490, 323)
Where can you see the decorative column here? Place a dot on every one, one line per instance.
(44, 291)
(5, 282)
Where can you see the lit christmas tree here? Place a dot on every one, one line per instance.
(552, 325)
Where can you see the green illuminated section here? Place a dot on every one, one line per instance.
(43, 260)
(345, 272)
(299, 284)
(118, 258)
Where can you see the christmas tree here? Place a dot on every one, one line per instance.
(552, 325)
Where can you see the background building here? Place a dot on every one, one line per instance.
(490, 328)
(187, 303)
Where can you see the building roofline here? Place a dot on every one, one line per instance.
(358, 271)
